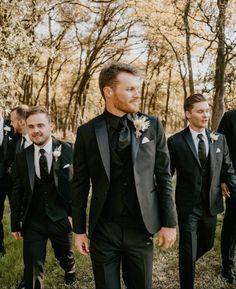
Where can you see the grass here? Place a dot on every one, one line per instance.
(165, 272)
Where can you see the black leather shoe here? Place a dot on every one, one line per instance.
(2, 251)
(230, 276)
(21, 285)
(70, 280)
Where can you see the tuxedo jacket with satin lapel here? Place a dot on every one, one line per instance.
(151, 173)
(185, 161)
(227, 127)
(24, 179)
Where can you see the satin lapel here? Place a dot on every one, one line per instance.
(212, 152)
(188, 137)
(30, 164)
(103, 144)
(55, 164)
(134, 145)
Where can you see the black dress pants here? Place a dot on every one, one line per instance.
(5, 190)
(197, 232)
(116, 244)
(228, 236)
(35, 237)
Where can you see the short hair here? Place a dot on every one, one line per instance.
(38, 109)
(21, 110)
(110, 72)
(192, 99)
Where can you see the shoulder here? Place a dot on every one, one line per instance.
(88, 126)
(179, 135)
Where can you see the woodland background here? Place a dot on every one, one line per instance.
(51, 52)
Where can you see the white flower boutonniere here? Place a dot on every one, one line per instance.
(141, 124)
(213, 137)
(7, 129)
(56, 153)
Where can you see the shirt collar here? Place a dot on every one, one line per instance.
(47, 147)
(112, 120)
(196, 133)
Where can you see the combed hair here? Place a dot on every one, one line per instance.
(192, 99)
(21, 110)
(38, 109)
(110, 72)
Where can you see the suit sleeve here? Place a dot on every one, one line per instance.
(17, 196)
(225, 127)
(80, 185)
(164, 180)
(227, 171)
(172, 156)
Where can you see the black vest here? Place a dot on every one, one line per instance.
(46, 201)
(203, 197)
(122, 196)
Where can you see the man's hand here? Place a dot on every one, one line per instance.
(82, 243)
(225, 190)
(16, 235)
(166, 237)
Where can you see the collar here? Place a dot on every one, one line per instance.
(196, 133)
(47, 147)
(112, 120)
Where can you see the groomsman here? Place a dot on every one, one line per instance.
(41, 200)
(228, 235)
(18, 121)
(123, 153)
(201, 161)
(7, 146)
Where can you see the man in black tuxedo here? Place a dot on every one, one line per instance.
(41, 200)
(7, 146)
(201, 160)
(124, 155)
(227, 127)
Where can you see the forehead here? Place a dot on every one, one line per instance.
(200, 105)
(38, 118)
(129, 79)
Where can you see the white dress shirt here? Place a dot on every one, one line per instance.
(48, 155)
(28, 142)
(196, 139)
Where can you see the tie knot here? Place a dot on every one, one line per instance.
(42, 151)
(200, 136)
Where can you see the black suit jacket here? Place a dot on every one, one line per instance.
(227, 127)
(24, 178)
(151, 174)
(184, 160)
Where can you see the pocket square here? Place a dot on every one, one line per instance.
(66, 166)
(145, 140)
(218, 150)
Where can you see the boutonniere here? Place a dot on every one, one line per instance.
(141, 124)
(7, 129)
(56, 153)
(213, 137)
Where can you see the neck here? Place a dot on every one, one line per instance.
(197, 129)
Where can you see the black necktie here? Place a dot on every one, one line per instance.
(22, 146)
(124, 135)
(201, 149)
(43, 165)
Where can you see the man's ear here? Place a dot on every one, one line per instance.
(187, 114)
(108, 92)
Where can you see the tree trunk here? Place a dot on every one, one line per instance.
(218, 98)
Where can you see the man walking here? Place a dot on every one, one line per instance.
(7, 146)
(41, 200)
(201, 161)
(227, 127)
(124, 155)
